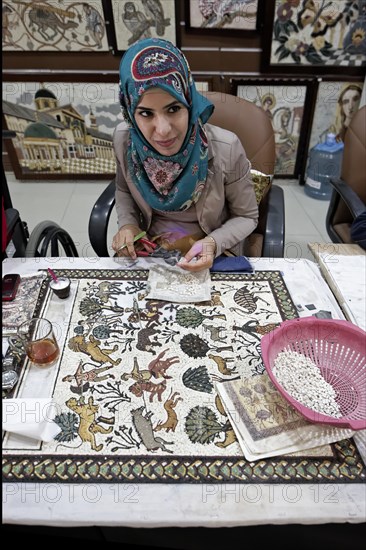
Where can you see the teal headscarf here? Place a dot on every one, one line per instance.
(169, 183)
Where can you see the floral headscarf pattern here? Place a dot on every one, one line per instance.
(168, 183)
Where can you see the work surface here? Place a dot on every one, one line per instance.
(208, 504)
(344, 268)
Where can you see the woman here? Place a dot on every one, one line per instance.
(177, 177)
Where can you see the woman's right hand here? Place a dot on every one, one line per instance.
(124, 238)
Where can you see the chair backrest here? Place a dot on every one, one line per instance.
(252, 126)
(353, 173)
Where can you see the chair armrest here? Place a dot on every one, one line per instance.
(12, 218)
(99, 219)
(274, 237)
(349, 196)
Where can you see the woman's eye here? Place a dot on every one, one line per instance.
(145, 114)
(174, 109)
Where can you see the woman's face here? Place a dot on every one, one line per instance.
(350, 101)
(162, 120)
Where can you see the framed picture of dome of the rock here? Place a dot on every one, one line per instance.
(61, 129)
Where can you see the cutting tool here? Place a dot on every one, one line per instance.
(171, 257)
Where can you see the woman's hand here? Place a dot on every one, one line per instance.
(204, 251)
(125, 237)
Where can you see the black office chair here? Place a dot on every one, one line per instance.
(241, 117)
(348, 198)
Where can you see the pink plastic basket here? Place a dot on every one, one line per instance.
(338, 348)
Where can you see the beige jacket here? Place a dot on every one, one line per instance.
(227, 209)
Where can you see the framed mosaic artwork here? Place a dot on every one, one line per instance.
(224, 17)
(48, 25)
(285, 102)
(136, 393)
(63, 129)
(336, 103)
(133, 21)
(315, 37)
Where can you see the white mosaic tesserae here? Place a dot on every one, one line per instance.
(302, 379)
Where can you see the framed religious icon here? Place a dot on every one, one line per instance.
(244, 16)
(285, 102)
(315, 37)
(140, 19)
(43, 25)
(62, 129)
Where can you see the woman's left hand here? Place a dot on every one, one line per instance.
(204, 252)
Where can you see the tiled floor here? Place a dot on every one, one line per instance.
(69, 204)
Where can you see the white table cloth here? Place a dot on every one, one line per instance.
(208, 505)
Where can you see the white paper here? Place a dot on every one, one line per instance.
(31, 417)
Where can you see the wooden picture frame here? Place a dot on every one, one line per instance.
(41, 25)
(132, 21)
(285, 102)
(314, 37)
(245, 19)
(64, 127)
(203, 83)
(336, 102)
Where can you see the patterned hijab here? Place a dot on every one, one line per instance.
(168, 183)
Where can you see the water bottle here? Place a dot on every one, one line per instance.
(325, 160)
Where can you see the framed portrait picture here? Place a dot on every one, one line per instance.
(336, 103)
(133, 21)
(321, 36)
(241, 15)
(43, 25)
(62, 129)
(285, 102)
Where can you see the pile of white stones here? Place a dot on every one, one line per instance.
(302, 379)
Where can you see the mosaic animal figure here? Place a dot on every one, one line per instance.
(143, 426)
(222, 364)
(44, 19)
(92, 348)
(216, 299)
(172, 420)
(215, 333)
(144, 342)
(255, 329)
(108, 290)
(136, 22)
(138, 389)
(155, 12)
(88, 426)
(159, 366)
(230, 438)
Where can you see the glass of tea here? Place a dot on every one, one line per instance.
(36, 338)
